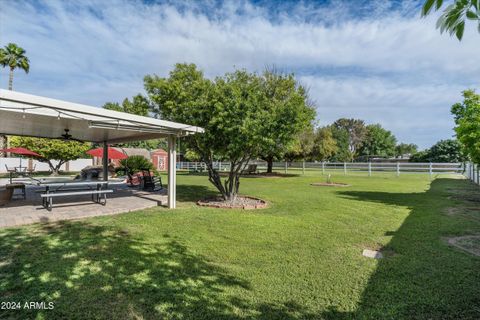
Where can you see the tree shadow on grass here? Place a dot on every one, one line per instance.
(99, 272)
(424, 279)
(273, 175)
(193, 193)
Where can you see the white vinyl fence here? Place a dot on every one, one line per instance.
(345, 167)
(472, 172)
(71, 166)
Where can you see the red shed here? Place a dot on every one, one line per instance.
(160, 159)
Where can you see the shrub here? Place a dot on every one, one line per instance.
(134, 164)
(442, 151)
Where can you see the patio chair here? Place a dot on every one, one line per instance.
(150, 182)
(11, 172)
(32, 170)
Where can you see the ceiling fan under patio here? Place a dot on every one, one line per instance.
(67, 136)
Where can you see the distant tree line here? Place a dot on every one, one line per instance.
(346, 140)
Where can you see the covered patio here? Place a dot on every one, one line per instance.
(124, 199)
(35, 116)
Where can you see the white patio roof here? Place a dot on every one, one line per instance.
(35, 116)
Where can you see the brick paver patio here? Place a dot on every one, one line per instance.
(124, 199)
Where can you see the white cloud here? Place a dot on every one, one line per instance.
(390, 66)
(414, 113)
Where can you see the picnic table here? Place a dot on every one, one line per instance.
(17, 170)
(97, 189)
(251, 169)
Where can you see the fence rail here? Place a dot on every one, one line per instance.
(345, 167)
(472, 172)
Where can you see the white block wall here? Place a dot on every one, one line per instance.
(11, 162)
(75, 165)
(79, 164)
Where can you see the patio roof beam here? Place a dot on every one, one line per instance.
(21, 102)
(105, 161)
(172, 172)
(122, 126)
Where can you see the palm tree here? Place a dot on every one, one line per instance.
(454, 15)
(13, 57)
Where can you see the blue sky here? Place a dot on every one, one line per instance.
(374, 60)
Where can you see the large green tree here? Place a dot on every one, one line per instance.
(290, 116)
(455, 15)
(139, 105)
(355, 131)
(13, 57)
(467, 121)
(378, 142)
(341, 136)
(232, 110)
(52, 149)
(325, 145)
(301, 146)
(405, 149)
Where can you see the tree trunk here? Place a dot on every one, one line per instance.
(232, 184)
(3, 138)
(269, 164)
(229, 188)
(214, 177)
(10, 80)
(55, 170)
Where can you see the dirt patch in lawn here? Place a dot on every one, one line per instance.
(467, 194)
(241, 202)
(332, 184)
(466, 198)
(470, 244)
(467, 212)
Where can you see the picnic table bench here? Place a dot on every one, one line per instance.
(62, 189)
(251, 169)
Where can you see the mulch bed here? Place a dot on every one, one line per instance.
(241, 202)
(333, 184)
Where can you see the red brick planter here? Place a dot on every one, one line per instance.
(216, 203)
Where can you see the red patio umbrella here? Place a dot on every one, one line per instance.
(112, 153)
(22, 151)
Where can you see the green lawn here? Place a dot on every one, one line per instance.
(298, 259)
